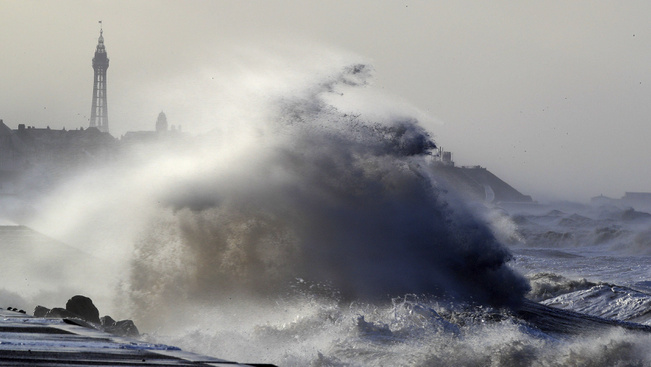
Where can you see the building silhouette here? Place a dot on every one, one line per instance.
(99, 111)
(35, 159)
(163, 132)
(161, 122)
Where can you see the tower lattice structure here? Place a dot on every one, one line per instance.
(99, 111)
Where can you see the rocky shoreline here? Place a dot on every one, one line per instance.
(81, 311)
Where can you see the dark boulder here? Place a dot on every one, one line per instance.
(123, 328)
(81, 311)
(41, 311)
(84, 308)
(107, 321)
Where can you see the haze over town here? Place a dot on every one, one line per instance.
(552, 96)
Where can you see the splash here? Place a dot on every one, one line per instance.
(406, 332)
(304, 189)
(323, 195)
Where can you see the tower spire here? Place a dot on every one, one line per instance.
(99, 110)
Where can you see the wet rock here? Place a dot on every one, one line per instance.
(107, 321)
(123, 328)
(81, 311)
(84, 308)
(41, 311)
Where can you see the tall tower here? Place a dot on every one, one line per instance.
(99, 111)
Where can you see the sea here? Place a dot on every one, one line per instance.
(315, 232)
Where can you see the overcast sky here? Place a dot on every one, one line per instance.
(552, 96)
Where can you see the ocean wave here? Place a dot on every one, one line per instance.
(608, 301)
(411, 331)
(550, 285)
(623, 231)
(329, 197)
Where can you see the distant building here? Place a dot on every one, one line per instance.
(161, 123)
(99, 109)
(637, 200)
(48, 154)
(637, 196)
(443, 157)
(160, 132)
(34, 159)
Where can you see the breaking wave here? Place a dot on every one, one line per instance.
(406, 332)
(326, 196)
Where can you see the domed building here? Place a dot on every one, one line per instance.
(161, 122)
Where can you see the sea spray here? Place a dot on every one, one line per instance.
(410, 331)
(325, 196)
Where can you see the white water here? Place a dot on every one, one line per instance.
(412, 331)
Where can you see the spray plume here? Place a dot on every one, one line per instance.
(302, 189)
(327, 197)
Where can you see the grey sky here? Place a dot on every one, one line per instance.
(552, 96)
